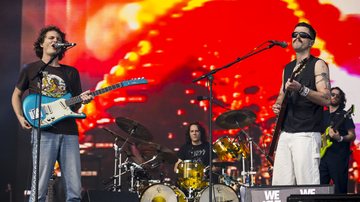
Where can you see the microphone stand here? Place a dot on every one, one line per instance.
(38, 115)
(210, 79)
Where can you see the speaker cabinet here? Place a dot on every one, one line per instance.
(107, 196)
(324, 198)
(281, 193)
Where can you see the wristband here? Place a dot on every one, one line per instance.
(341, 139)
(304, 91)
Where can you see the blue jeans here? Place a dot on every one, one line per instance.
(65, 149)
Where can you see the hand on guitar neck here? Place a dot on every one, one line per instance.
(86, 97)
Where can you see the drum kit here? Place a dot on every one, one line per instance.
(192, 183)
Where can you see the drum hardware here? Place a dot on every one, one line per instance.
(118, 157)
(237, 119)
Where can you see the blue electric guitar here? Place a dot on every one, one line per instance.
(55, 109)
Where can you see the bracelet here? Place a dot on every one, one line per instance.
(304, 91)
(341, 139)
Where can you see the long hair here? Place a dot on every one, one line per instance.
(202, 130)
(342, 101)
(39, 50)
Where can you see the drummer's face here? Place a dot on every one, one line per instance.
(195, 134)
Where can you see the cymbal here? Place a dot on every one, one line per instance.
(224, 164)
(116, 135)
(168, 157)
(236, 118)
(128, 125)
(165, 154)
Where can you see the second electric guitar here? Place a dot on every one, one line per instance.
(325, 137)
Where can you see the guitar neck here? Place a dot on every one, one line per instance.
(347, 114)
(77, 99)
(278, 126)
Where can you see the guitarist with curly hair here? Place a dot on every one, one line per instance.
(340, 132)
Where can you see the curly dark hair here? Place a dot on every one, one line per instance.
(39, 50)
(202, 130)
(342, 101)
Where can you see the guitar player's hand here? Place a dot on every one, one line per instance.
(292, 86)
(24, 124)
(86, 97)
(334, 134)
(276, 108)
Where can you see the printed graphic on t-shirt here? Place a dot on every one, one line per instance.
(53, 85)
(197, 155)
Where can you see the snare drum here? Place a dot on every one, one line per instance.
(161, 192)
(221, 192)
(190, 175)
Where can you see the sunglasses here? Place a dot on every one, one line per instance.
(335, 95)
(302, 35)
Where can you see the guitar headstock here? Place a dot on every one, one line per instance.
(350, 111)
(134, 81)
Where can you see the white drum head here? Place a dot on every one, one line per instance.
(222, 193)
(159, 193)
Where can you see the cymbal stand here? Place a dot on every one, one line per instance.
(251, 173)
(118, 161)
(132, 174)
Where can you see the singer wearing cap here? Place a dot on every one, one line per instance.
(60, 140)
(297, 155)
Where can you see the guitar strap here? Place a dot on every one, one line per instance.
(66, 78)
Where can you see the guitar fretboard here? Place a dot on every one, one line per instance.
(77, 99)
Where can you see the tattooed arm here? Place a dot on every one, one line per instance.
(322, 81)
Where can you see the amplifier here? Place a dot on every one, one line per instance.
(281, 193)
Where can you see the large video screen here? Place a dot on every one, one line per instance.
(172, 42)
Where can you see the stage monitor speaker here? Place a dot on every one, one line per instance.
(107, 196)
(324, 197)
(281, 193)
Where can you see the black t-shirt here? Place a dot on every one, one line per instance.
(57, 82)
(339, 148)
(196, 153)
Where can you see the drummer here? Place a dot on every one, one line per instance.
(196, 147)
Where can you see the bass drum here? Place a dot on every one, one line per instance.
(222, 193)
(161, 192)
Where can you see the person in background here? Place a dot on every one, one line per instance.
(334, 165)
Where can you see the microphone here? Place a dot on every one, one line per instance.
(283, 44)
(63, 45)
